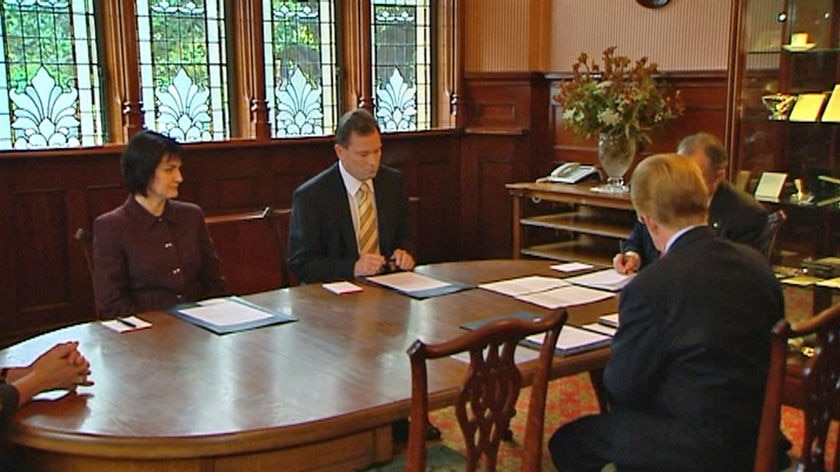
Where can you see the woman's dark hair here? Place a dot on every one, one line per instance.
(142, 156)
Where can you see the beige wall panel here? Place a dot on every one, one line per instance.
(497, 35)
(683, 35)
(548, 35)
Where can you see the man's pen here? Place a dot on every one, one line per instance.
(126, 322)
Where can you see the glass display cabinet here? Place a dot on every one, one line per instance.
(785, 118)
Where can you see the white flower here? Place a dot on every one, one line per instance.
(609, 117)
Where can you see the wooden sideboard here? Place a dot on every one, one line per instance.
(568, 222)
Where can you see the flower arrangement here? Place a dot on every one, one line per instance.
(616, 98)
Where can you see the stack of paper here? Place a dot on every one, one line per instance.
(524, 285)
(229, 314)
(607, 279)
(340, 288)
(609, 320)
(418, 286)
(547, 292)
(126, 324)
(599, 328)
(570, 295)
(572, 340)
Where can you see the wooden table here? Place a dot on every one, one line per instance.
(319, 393)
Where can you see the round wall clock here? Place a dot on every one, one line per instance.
(653, 3)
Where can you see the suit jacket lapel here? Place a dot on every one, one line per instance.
(342, 207)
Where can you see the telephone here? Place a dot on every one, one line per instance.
(570, 173)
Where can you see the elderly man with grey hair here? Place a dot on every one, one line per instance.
(733, 214)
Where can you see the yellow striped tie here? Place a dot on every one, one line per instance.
(368, 235)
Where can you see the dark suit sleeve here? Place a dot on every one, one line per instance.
(630, 375)
(750, 228)
(639, 241)
(740, 217)
(309, 255)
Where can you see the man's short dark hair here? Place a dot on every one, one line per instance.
(141, 157)
(709, 144)
(358, 121)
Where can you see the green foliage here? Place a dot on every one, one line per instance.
(37, 36)
(617, 98)
(296, 39)
(178, 41)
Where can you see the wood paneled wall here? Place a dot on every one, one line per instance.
(462, 210)
(45, 197)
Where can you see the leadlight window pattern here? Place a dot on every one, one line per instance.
(183, 79)
(300, 67)
(401, 35)
(50, 95)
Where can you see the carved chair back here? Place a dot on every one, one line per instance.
(487, 399)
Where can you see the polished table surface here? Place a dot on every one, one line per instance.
(317, 393)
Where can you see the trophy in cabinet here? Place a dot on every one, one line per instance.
(779, 105)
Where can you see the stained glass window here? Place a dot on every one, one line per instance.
(182, 68)
(401, 35)
(49, 88)
(300, 63)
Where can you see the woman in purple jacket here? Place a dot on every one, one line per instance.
(152, 251)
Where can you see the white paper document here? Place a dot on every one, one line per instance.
(519, 356)
(340, 288)
(408, 282)
(565, 296)
(524, 285)
(609, 320)
(607, 279)
(599, 328)
(573, 339)
(770, 186)
(126, 323)
(223, 312)
(571, 266)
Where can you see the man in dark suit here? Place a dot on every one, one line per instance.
(324, 238)
(689, 361)
(733, 214)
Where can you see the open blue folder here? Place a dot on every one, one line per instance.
(572, 339)
(226, 312)
(445, 287)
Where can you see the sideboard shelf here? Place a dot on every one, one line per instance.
(568, 222)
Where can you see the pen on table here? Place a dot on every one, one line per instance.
(126, 322)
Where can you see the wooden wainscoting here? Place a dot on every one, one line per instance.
(46, 196)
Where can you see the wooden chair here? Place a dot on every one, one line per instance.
(252, 254)
(85, 239)
(771, 413)
(820, 375)
(775, 221)
(821, 384)
(279, 221)
(488, 396)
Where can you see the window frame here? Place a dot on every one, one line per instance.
(248, 106)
